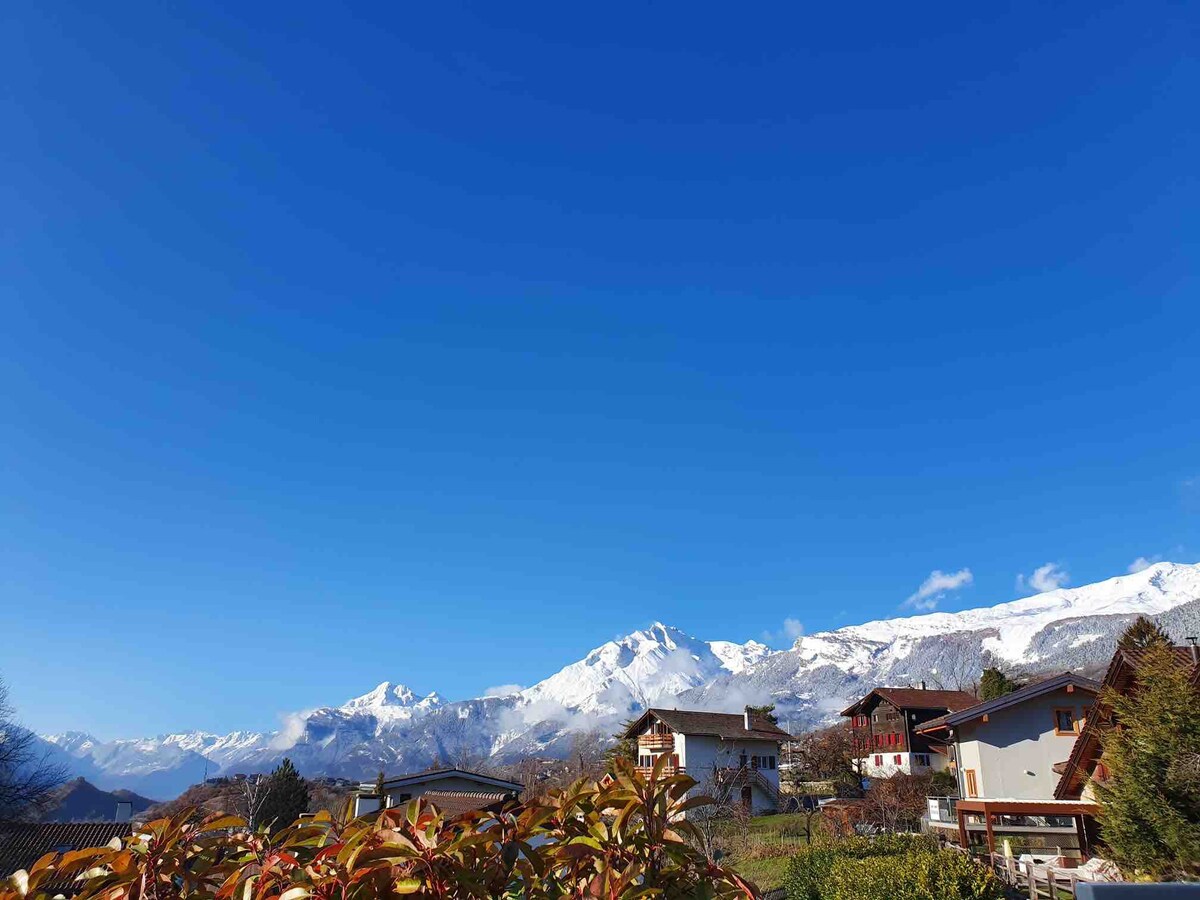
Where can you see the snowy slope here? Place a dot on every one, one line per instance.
(1068, 628)
(642, 669)
(391, 728)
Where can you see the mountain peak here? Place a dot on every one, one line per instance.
(386, 693)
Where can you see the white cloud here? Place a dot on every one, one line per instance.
(503, 690)
(1143, 562)
(934, 588)
(1048, 577)
(791, 630)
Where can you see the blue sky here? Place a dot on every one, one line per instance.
(442, 343)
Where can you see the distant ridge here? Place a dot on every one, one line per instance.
(80, 801)
(392, 729)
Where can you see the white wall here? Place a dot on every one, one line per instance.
(867, 766)
(1014, 751)
(700, 754)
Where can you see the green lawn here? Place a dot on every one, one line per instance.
(762, 856)
(767, 874)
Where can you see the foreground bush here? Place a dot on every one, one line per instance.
(887, 867)
(621, 840)
(940, 875)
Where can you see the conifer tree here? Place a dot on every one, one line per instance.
(1150, 819)
(764, 712)
(286, 797)
(622, 747)
(994, 683)
(1142, 633)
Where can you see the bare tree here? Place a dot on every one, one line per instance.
(827, 754)
(28, 777)
(252, 793)
(587, 758)
(896, 803)
(721, 787)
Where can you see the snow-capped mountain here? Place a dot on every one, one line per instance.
(392, 729)
(641, 669)
(1068, 628)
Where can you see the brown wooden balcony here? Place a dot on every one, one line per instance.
(667, 772)
(656, 742)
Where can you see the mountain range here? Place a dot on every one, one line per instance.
(392, 729)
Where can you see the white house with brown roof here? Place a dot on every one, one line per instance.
(1003, 753)
(1007, 747)
(733, 755)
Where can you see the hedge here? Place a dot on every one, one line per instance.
(887, 867)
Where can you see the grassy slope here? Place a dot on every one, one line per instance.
(764, 857)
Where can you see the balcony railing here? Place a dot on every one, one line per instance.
(656, 741)
(943, 810)
(667, 772)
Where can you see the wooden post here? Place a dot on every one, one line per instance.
(991, 837)
(962, 830)
(1082, 832)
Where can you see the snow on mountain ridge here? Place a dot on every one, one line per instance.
(640, 668)
(1018, 621)
(390, 728)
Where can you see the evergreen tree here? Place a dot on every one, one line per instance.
(1150, 817)
(764, 712)
(286, 797)
(994, 683)
(622, 747)
(1142, 633)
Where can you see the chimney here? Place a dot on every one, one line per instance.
(922, 685)
(1195, 651)
(746, 717)
(124, 811)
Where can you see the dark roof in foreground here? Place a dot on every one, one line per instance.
(436, 774)
(456, 803)
(22, 843)
(914, 698)
(728, 726)
(1037, 689)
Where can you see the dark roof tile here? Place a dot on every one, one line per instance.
(729, 726)
(456, 803)
(915, 698)
(23, 844)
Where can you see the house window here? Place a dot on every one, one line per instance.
(770, 762)
(878, 760)
(921, 759)
(898, 759)
(645, 761)
(971, 785)
(754, 762)
(1064, 721)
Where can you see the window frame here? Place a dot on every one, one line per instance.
(970, 783)
(1070, 711)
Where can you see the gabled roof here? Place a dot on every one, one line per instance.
(727, 726)
(23, 844)
(1119, 677)
(438, 774)
(912, 698)
(1016, 698)
(456, 803)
